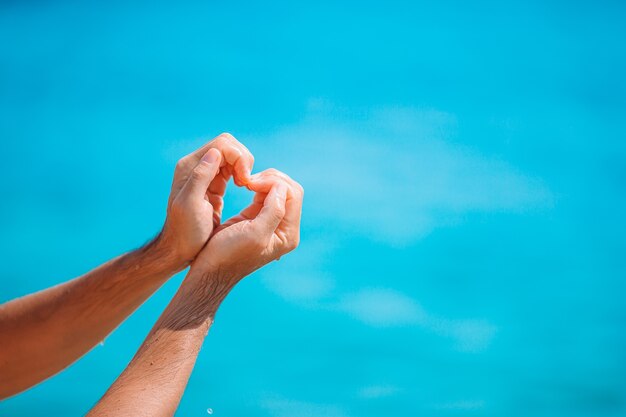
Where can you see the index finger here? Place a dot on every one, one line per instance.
(235, 154)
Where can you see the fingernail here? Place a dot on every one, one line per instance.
(211, 156)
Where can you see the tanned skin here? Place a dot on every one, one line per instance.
(43, 333)
(154, 381)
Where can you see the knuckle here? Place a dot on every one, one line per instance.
(274, 216)
(199, 172)
(272, 171)
(277, 216)
(180, 165)
(299, 189)
(289, 242)
(287, 247)
(227, 137)
(293, 243)
(279, 212)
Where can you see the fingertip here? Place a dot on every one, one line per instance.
(245, 183)
(243, 176)
(239, 181)
(212, 156)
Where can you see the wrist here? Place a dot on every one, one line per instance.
(197, 300)
(166, 254)
(211, 283)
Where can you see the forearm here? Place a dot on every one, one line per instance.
(154, 381)
(45, 332)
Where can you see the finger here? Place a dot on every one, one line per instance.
(265, 180)
(217, 202)
(218, 185)
(235, 155)
(273, 210)
(216, 191)
(234, 152)
(201, 176)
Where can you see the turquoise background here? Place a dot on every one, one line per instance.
(463, 238)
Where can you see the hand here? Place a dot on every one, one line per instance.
(261, 233)
(195, 204)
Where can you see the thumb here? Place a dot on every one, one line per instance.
(273, 209)
(201, 176)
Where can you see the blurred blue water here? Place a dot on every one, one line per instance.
(464, 166)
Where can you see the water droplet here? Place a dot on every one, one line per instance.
(101, 342)
(209, 411)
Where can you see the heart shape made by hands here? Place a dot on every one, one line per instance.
(236, 163)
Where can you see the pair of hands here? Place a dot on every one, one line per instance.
(264, 231)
